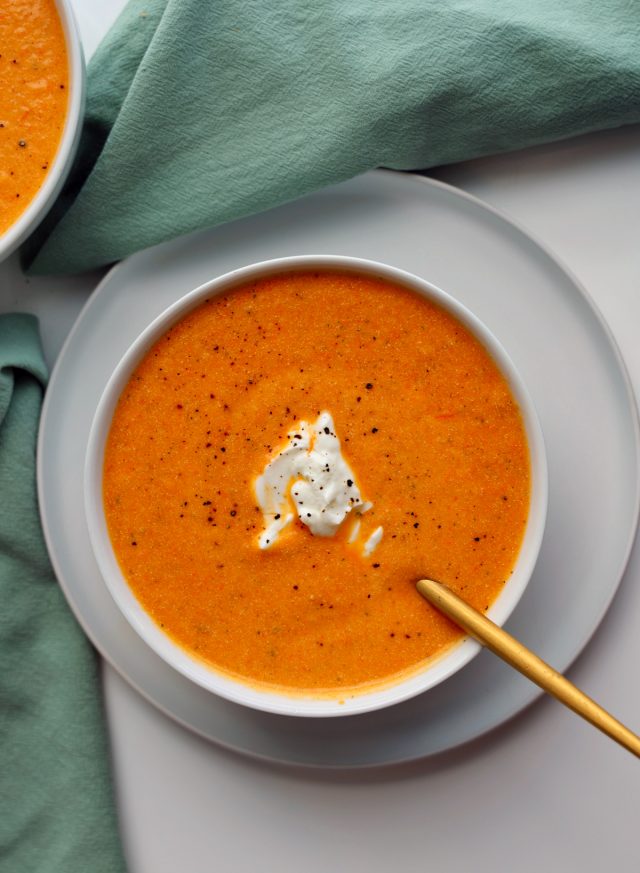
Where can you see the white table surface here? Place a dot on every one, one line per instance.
(544, 791)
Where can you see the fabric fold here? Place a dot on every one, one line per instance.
(200, 114)
(58, 811)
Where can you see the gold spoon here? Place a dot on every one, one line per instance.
(514, 653)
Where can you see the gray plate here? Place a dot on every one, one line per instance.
(554, 335)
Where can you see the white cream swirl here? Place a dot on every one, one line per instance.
(310, 472)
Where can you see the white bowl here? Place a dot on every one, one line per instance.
(61, 164)
(436, 670)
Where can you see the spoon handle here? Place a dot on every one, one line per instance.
(530, 665)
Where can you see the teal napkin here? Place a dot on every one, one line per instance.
(200, 113)
(58, 812)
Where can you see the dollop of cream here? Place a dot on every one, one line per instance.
(309, 474)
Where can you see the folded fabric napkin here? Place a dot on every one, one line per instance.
(200, 113)
(58, 812)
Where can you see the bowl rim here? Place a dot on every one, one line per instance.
(40, 204)
(238, 691)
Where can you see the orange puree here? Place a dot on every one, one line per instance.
(427, 424)
(33, 100)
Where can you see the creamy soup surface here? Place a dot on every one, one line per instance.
(427, 428)
(34, 83)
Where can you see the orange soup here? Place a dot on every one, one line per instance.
(432, 438)
(34, 81)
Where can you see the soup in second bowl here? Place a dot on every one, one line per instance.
(34, 84)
